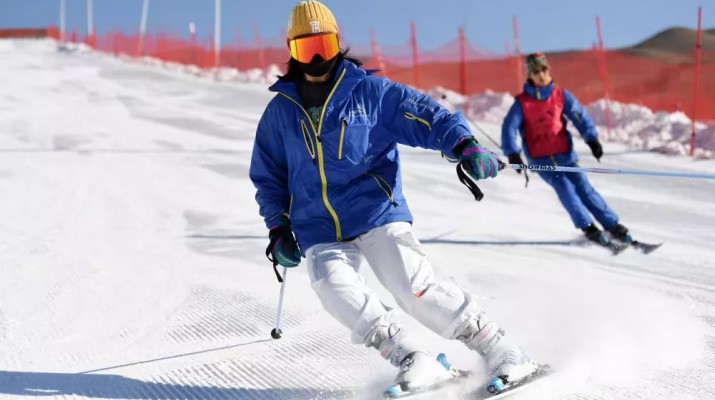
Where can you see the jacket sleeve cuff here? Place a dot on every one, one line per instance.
(277, 221)
(452, 140)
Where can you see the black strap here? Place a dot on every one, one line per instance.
(272, 257)
(467, 181)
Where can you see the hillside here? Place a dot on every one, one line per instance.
(674, 42)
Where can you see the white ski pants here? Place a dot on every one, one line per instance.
(402, 267)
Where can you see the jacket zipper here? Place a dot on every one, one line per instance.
(423, 121)
(385, 187)
(307, 138)
(321, 157)
(342, 138)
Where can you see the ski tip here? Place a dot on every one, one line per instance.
(647, 248)
(442, 359)
(392, 392)
(496, 385)
(498, 388)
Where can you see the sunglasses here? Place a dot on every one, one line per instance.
(538, 70)
(305, 48)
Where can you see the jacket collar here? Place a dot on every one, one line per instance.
(353, 75)
(539, 93)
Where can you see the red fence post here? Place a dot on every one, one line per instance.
(415, 57)
(260, 46)
(377, 53)
(53, 32)
(91, 39)
(517, 54)
(462, 62)
(142, 28)
(698, 52)
(217, 34)
(604, 76)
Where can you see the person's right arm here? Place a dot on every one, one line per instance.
(510, 130)
(269, 170)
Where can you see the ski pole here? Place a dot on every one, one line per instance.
(276, 332)
(557, 168)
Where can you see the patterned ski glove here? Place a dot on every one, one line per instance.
(283, 249)
(482, 163)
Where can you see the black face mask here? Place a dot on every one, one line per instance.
(318, 66)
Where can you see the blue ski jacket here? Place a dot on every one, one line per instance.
(513, 126)
(340, 178)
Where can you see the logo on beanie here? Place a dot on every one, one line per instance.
(315, 26)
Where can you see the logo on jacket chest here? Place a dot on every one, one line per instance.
(358, 114)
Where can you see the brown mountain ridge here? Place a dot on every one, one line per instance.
(673, 42)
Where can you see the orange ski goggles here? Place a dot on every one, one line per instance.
(305, 48)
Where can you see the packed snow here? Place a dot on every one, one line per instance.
(133, 267)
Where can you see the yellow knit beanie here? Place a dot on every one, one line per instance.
(311, 17)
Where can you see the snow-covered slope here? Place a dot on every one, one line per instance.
(132, 254)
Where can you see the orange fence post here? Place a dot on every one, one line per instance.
(259, 45)
(415, 57)
(377, 53)
(462, 62)
(53, 32)
(217, 34)
(142, 28)
(517, 54)
(698, 53)
(91, 39)
(604, 76)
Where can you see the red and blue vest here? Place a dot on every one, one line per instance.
(545, 131)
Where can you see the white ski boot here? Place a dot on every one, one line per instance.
(507, 363)
(418, 370)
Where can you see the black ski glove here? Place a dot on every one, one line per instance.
(515, 159)
(596, 148)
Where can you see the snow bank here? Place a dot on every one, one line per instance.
(642, 128)
(632, 124)
(223, 74)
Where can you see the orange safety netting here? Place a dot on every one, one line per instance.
(659, 83)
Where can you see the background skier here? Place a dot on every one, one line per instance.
(326, 168)
(538, 116)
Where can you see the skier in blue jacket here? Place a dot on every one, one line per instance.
(538, 117)
(326, 168)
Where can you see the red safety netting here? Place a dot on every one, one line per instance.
(659, 83)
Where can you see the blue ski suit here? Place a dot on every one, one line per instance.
(340, 177)
(573, 189)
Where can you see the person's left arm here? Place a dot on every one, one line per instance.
(583, 123)
(415, 119)
(579, 116)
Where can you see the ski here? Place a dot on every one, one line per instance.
(497, 389)
(398, 392)
(615, 248)
(645, 248)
